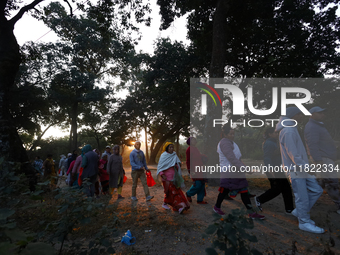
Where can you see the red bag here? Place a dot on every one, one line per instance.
(80, 181)
(124, 179)
(149, 180)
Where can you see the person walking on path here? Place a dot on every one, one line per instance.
(62, 168)
(322, 150)
(278, 181)
(138, 168)
(169, 169)
(90, 168)
(116, 172)
(49, 170)
(233, 182)
(195, 158)
(294, 158)
(38, 164)
(75, 170)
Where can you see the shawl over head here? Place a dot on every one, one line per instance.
(168, 160)
(114, 147)
(86, 149)
(166, 145)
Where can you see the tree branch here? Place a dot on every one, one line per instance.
(2, 7)
(71, 13)
(42, 134)
(23, 10)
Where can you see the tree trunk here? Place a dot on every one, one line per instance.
(159, 144)
(74, 126)
(11, 146)
(36, 142)
(212, 134)
(70, 139)
(146, 146)
(123, 148)
(177, 145)
(98, 143)
(152, 145)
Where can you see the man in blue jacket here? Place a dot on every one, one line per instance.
(294, 158)
(138, 168)
(322, 150)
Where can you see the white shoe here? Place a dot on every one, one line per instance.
(134, 198)
(294, 212)
(165, 206)
(311, 228)
(258, 204)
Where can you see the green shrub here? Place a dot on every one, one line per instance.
(231, 234)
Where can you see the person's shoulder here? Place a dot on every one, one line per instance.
(92, 153)
(310, 124)
(269, 143)
(226, 141)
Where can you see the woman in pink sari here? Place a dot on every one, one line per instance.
(169, 169)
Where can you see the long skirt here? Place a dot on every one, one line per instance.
(174, 196)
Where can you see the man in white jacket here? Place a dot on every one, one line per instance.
(294, 158)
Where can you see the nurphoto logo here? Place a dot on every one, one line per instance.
(238, 100)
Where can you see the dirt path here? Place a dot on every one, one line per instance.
(160, 231)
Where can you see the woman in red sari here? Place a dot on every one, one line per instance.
(169, 169)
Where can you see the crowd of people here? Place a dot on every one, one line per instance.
(283, 146)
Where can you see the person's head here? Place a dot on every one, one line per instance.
(49, 156)
(295, 114)
(116, 149)
(37, 158)
(170, 148)
(137, 145)
(104, 157)
(318, 113)
(108, 149)
(69, 155)
(86, 149)
(228, 132)
(192, 141)
(270, 133)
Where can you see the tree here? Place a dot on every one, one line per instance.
(95, 125)
(30, 105)
(159, 101)
(258, 39)
(91, 49)
(10, 59)
(120, 129)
